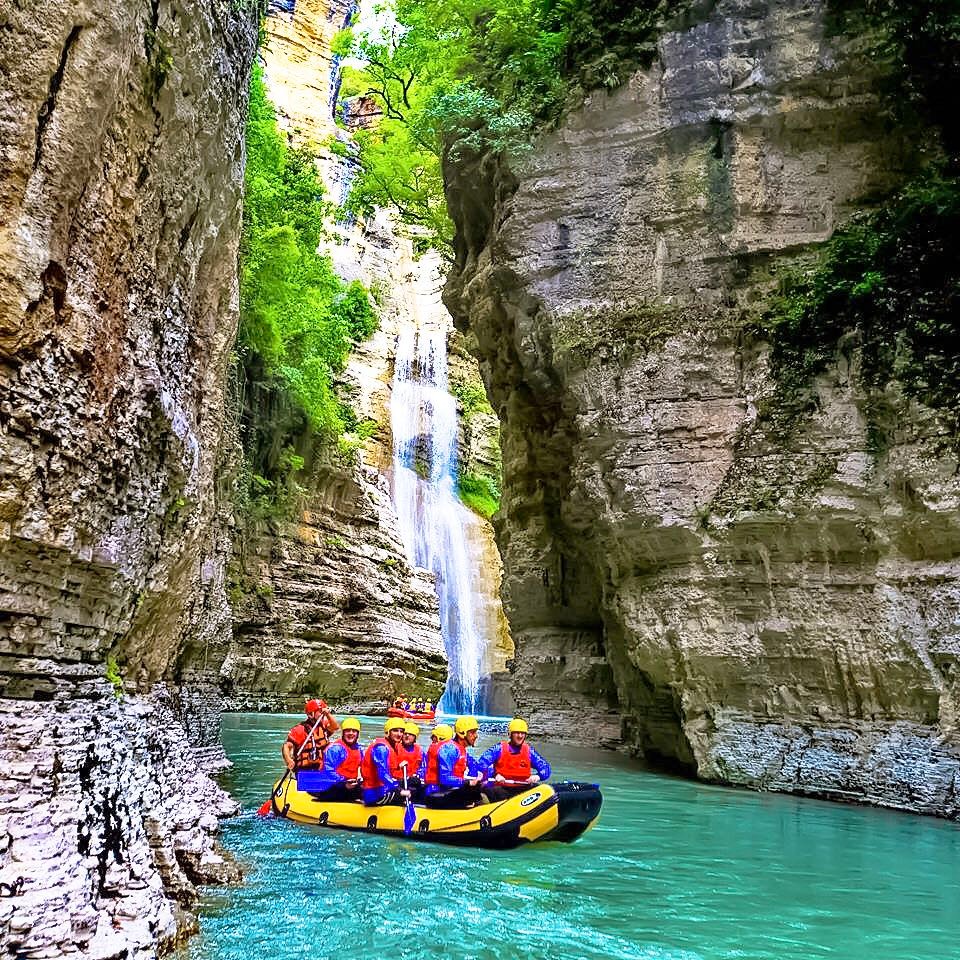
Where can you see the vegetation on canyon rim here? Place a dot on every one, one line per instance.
(459, 75)
(888, 282)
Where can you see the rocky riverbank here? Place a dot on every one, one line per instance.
(110, 818)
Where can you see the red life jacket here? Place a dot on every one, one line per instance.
(513, 766)
(368, 769)
(349, 769)
(311, 757)
(460, 767)
(433, 774)
(412, 757)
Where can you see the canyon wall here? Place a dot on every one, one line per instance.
(122, 164)
(678, 577)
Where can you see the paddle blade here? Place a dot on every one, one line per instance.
(265, 807)
(409, 818)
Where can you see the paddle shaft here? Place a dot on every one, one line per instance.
(409, 800)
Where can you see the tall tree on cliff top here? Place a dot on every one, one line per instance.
(449, 75)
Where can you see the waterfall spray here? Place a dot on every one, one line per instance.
(424, 423)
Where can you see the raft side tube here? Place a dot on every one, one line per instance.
(544, 812)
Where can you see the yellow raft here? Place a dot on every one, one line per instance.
(548, 811)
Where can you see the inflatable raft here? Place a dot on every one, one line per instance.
(410, 714)
(548, 811)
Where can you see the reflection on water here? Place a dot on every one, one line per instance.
(673, 869)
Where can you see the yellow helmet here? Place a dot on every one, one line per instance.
(517, 726)
(393, 723)
(351, 723)
(465, 724)
(443, 731)
(411, 727)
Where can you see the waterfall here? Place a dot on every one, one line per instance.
(424, 423)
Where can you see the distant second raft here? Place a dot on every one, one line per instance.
(548, 811)
(411, 714)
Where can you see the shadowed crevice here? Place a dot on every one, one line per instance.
(46, 111)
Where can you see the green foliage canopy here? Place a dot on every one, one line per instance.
(459, 75)
(298, 321)
(889, 283)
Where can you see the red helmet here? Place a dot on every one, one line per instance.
(312, 706)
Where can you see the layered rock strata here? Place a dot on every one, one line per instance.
(109, 822)
(332, 606)
(122, 130)
(680, 579)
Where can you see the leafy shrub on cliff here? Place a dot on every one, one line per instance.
(298, 320)
(480, 493)
(888, 283)
(472, 396)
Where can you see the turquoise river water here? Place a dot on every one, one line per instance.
(673, 870)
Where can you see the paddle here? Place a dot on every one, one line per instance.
(264, 808)
(410, 814)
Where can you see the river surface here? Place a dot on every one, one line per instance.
(673, 869)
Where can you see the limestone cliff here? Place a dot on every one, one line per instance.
(300, 66)
(678, 579)
(122, 160)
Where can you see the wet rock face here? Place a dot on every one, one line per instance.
(678, 578)
(121, 175)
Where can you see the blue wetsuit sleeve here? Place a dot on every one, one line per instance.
(447, 758)
(422, 769)
(488, 758)
(540, 765)
(381, 760)
(335, 755)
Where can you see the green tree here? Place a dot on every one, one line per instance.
(298, 320)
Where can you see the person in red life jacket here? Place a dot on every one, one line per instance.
(305, 743)
(380, 786)
(339, 780)
(440, 734)
(411, 753)
(457, 775)
(513, 764)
